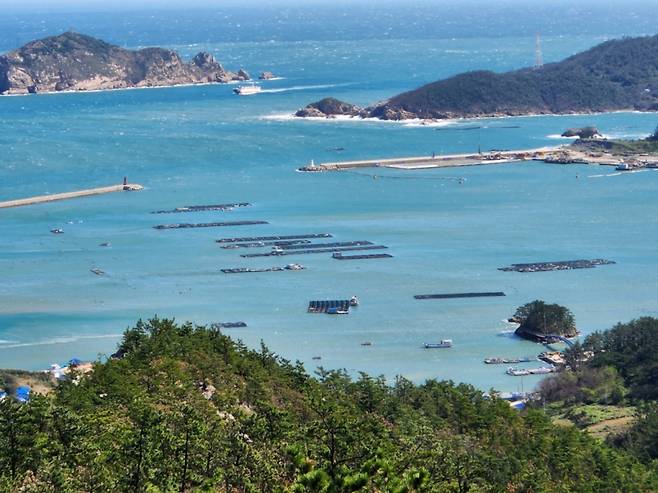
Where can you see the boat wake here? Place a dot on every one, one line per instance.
(57, 340)
(618, 174)
(303, 88)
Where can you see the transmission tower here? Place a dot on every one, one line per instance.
(539, 59)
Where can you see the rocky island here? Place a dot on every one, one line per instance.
(76, 62)
(612, 76)
(541, 322)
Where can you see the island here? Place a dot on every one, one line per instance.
(542, 322)
(76, 62)
(615, 75)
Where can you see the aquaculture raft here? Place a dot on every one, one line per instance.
(322, 306)
(260, 244)
(457, 295)
(228, 325)
(317, 250)
(557, 265)
(340, 256)
(200, 208)
(274, 238)
(327, 245)
(207, 225)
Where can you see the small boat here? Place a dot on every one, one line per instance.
(316, 357)
(247, 90)
(336, 311)
(623, 167)
(106, 244)
(445, 343)
(57, 231)
(366, 343)
(517, 372)
(294, 267)
(354, 301)
(97, 271)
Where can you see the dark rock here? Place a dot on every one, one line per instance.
(266, 75)
(582, 133)
(329, 107)
(243, 75)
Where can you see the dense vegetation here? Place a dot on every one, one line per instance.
(187, 409)
(615, 75)
(621, 147)
(538, 319)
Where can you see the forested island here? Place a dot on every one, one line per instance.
(185, 408)
(76, 62)
(615, 75)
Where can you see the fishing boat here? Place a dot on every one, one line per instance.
(354, 301)
(295, 267)
(445, 343)
(334, 310)
(97, 271)
(57, 231)
(623, 167)
(517, 372)
(247, 90)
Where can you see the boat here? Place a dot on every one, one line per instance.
(517, 372)
(623, 167)
(337, 311)
(366, 343)
(247, 90)
(354, 301)
(294, 267)
(57, 231)
(445, 343)
(97, 271)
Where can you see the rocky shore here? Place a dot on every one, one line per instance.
(76, 62)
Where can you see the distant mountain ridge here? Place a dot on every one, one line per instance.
(76, 62)
(615, 75)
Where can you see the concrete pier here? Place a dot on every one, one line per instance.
(437, 161)
(40, 199)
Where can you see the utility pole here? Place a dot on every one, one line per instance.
(539, 59)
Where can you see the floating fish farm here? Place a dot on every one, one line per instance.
(243, 270)
(259, 244)
(201, 208)
(322, 306)
(228, 325)
(340, 256)
(273, 238)
(327, 245)
(208, 225)
(559, 265)
(457, 295)
(277, 253)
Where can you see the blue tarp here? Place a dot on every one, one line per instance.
(75, 362)
(23, 393)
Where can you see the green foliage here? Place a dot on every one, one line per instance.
(538, 318)
(632, 349)
(612, 75)
(187, 409)
(586, 385)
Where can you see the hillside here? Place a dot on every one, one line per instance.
(75, 62)
(184, 408)
(615, 75)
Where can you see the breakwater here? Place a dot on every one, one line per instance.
(41, 199)
(457, 295)
(208, 225)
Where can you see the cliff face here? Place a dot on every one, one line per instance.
(75, 62)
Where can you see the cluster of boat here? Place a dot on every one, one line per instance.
(445, 343)
(241, 270)
(333, 307)
(508, 361)
(521, 372)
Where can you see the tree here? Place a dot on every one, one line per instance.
(539, 319)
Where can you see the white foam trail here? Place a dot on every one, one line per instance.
(619, 173)
(58, 340)
(302, 88)
(561, 137)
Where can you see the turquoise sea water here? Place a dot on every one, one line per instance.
(197, 145)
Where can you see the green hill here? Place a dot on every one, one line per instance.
(185, 408)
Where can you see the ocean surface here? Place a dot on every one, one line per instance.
(449, 230)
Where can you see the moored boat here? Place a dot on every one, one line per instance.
(445, 343)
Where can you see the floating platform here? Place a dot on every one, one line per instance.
(457, 295)
(328, 245)
(228, 325)
(243, 270)
(340, 256)
(321, 306)
(127, 187)
(509, 361)
(260, 244)
(558, 265)
(278, 253)
(201, 208)
(207, 225)
(273, 238)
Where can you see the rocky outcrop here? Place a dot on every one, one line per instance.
(266, 75)
(330, 107)
(243, 75)
(75, 62)
(582, 133)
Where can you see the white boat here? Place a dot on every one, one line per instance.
(445, 343)
(623, 167)
(247, 90)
